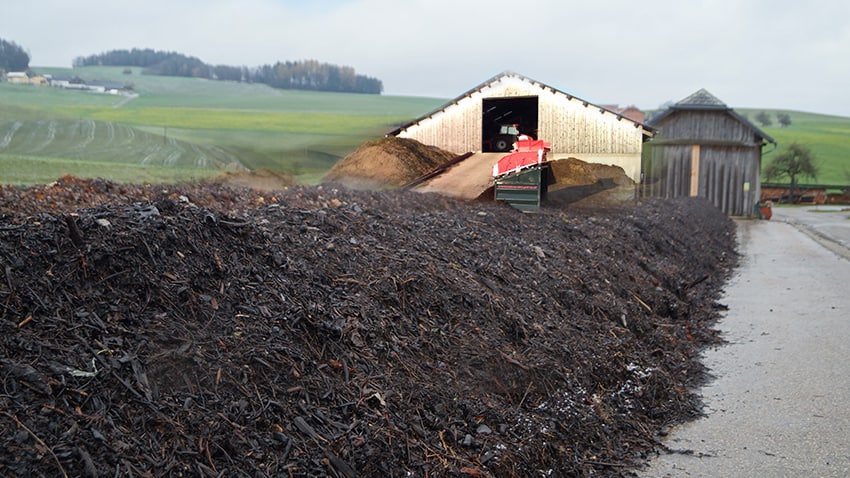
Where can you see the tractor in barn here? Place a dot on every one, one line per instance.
(504, 140)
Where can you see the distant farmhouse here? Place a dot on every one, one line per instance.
(18, 77)
(69, 83)
(23, 78)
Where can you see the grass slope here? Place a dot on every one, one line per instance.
(189, 125)
(828, 137)
(28, 170)
(104, 141)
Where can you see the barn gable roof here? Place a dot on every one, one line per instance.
(702, 99)
(648, 131)
(705, 101)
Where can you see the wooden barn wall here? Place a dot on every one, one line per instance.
(668, 171)
(706, 127)
(457, 128)
(574, 128)
(723, 173)
(729, 178)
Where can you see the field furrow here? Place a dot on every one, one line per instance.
(87, 134)
(10, 133)
(46, 137)
(110, 133)
(128, 133)
(172, 158)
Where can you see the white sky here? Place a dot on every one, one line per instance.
(787, 54)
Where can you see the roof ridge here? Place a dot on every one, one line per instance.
(701, 98)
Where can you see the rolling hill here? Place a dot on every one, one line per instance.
(187, 128)
(828, 137)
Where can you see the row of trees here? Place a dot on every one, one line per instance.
(298, 75)
(135, 57)
(784, 119)
(13, 57)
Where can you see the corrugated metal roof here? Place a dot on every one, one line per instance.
(648, 131)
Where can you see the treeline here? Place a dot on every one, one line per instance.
(13, 57)
(154, 62)
(297, 75)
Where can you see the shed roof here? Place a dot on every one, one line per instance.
(509, 74)
(703, 100)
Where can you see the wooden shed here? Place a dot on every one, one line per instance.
(475, 121)
(704, 148)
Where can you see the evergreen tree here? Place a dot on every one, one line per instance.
(13, 57)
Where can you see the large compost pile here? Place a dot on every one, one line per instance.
(387, 163)
(206, 330)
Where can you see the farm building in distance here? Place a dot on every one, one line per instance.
(483, 123)
(704, 148)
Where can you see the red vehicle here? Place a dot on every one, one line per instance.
(528, 152)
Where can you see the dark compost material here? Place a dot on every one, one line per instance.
(199, 330)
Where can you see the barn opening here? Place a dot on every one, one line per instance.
(506, 118)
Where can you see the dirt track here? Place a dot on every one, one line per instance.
(202, 330)
(468, 179)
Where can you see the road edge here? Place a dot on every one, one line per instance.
(827, 242)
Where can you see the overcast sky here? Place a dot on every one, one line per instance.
(788, 54)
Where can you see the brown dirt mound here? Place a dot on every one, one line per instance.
(198, 331)
(262, 179)
(575, 172)
(387, 163)
(589, 185)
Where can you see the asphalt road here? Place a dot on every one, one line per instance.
(780, 403)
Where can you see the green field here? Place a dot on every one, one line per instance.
(187, 128)
(828, 137)
(184, 128)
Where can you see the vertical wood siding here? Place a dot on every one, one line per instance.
(572, 126)
(708, 127)
(724, 171)
(730, 158)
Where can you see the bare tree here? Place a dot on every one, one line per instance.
(794, 162)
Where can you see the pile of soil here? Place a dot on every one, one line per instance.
(387, 163)
(207, 330)
(393, 162)
(575, 172)
(582, 184)
(262, 179)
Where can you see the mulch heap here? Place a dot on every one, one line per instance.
(387, 163)
(204, 330)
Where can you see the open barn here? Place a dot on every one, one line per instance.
(482, 125)
(704, 148)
